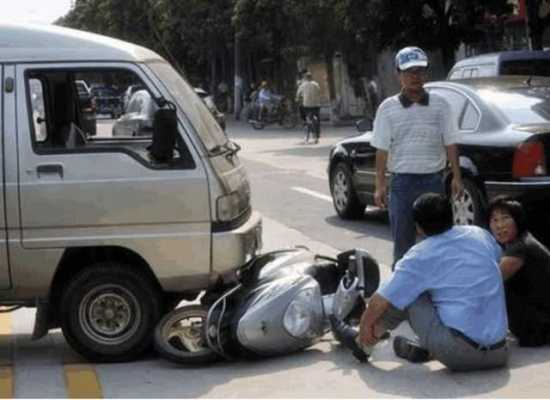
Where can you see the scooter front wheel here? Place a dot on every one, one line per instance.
(180, 336)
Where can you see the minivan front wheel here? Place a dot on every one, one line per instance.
(108, 312)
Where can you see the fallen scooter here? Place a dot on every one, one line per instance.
(281, 302)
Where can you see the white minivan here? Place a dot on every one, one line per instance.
(102, 234)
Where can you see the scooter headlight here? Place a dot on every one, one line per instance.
(300, 313)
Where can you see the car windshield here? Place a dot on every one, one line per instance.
(206, 126)
(526, 67)
(521, 106)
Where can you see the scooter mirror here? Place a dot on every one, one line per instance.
(368, 272)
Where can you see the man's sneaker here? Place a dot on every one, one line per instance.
(409, 350)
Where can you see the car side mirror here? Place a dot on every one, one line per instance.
(165, 129)
(364, 125)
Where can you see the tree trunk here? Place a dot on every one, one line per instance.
(334, 117)
(534, 24)
(213, 72)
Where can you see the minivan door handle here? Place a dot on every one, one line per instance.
(49, 169)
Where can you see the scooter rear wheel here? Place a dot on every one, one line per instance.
(180, 336)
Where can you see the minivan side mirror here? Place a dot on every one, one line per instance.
(165, 129)
(364, 125)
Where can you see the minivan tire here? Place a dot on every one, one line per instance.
(109, 312)
(344, 198)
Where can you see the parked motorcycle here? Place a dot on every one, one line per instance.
(279, 112)
(280, 302)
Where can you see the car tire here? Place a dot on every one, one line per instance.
(344, 198)
(109, 312)
(469, 210)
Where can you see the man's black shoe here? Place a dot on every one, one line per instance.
(409, 350)
(346, 335)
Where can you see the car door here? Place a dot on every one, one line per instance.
(4, 261)
(109, 193)
(363, 159)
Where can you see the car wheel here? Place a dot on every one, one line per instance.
(469, 209)
(344, 197)
(109, 312)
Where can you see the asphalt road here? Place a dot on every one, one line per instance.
(289, 188)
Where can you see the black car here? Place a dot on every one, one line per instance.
(504, 145)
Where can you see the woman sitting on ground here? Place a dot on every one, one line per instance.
(525, 267)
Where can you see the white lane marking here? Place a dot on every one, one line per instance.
(313, 193)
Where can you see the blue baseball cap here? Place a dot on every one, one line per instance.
(409, 57)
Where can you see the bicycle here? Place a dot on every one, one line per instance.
(310, 126)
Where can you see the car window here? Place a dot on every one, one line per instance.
(525, 67)
(456, 74)
(64, 120)
(456, 101)
(38, 110)
(470, 117)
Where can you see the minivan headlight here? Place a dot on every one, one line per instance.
(300, 313)
(228, 207)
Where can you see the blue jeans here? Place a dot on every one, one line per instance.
(404, 190)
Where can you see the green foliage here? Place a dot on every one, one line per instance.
(200, 34)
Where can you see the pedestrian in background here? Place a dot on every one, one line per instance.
(308, 96)
(414, 138)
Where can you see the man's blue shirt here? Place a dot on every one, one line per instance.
(459, 269)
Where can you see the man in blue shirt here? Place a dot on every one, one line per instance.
(450, 289)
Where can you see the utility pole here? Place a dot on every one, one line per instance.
(238, 81)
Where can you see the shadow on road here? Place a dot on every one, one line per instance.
(373, 224)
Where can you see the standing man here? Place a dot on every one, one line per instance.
(414, 138)
(308, 97)
(450, 289)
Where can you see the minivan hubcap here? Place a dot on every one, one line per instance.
(340, 190)
(109, 314)
(463, 210)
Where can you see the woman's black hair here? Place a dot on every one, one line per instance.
(433, 213)
(512, 207)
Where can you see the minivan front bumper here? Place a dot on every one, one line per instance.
(233, 248)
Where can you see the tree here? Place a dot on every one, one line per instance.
(435, 24)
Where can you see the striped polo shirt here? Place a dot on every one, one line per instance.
(415, 136)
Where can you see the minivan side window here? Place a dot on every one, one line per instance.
(38, 110)
(82, 111)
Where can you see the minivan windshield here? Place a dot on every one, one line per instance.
(194, 108)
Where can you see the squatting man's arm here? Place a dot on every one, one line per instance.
(369, 328)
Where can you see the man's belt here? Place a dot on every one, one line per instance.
(476, 345)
